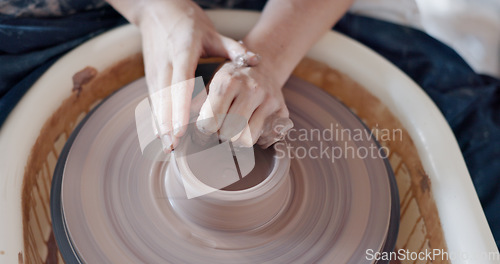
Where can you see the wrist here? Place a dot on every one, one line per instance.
(153, 11)
(273, 62)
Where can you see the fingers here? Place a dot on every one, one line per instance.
(239, 115)
(222, 88)
(245, 107)
(253, 131)
(161, 102)
(279, 128)
(159, 76)
(268, 124)
(222, 91)
(184, 66)
(171, 83)
(234, 50)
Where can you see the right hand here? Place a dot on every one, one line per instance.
(175, 34)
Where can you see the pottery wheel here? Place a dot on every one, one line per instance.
(110, 203)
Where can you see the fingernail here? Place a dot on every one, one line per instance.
(250, 54)
(283, 131)
(167, 143)
(235, 137)
(238, 145)
(202, 128)
(282, 125)
(204, 125)
(252, 58)
(204, 131)
(241, 61)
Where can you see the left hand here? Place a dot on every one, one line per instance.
(251, 94)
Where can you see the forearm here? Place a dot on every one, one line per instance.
(288, 28)
(136, 11)
(130, 9)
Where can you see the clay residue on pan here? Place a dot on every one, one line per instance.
(62, 123)
(52, 253)
(82, 77)
(425, 182)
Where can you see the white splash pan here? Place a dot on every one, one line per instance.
(439, 152)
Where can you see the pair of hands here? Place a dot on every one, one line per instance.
(175, 34)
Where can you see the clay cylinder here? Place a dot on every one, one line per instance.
(230, 210)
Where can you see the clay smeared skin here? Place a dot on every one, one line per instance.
(118, 209)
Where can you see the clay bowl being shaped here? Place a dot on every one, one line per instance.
(249, 203)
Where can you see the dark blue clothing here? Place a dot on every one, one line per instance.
(47, 8)
(28, 46)
(469, 101)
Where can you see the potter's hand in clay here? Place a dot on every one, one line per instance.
(175, 34)
(284, 33)
(245, 105)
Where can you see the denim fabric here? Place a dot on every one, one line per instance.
(469, 101)
(47, 8)
(28, 46)
(233, 4)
